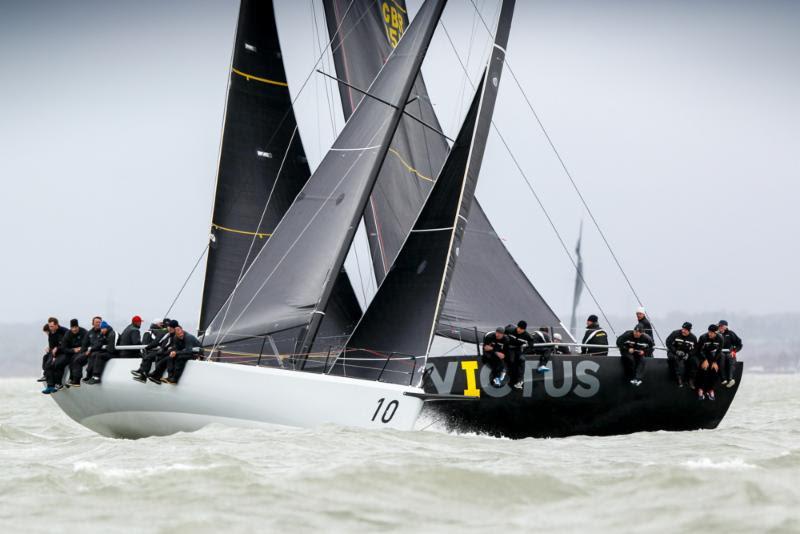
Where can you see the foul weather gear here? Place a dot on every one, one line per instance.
(633, 352)
(679, 349)
(595, 335)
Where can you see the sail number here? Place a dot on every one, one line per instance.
(386, 412)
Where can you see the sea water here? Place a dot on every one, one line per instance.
(56, 475)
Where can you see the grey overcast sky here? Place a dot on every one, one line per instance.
(679, 120)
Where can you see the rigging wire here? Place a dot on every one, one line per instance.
(536, 196)
(569, 176)
(205, 249)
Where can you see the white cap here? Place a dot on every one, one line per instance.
(640, 309)
(557, 336)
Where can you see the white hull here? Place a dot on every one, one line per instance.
(237, 395)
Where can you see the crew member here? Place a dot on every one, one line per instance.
(634, 346)
(70, 348)
(595, 335)
(708, 356)
(494, 354)
(132, 335)
(560, 349)
(103, 350)
(518, 338)
(55, 334)
(680, 346)
(644, 322)
(541, 337)
(731, 346)
(47, 355)
(158, 347)
(185, 347)
(90, 340)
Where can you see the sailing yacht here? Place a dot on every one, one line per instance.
(287, 341)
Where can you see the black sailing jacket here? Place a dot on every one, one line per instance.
(681, 346)
(628, 341)
(595, 336)
(709, 349)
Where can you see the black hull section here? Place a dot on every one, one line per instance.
(582, 395)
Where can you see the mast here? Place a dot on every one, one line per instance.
(576, 295)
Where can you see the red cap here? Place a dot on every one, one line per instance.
(136, 319)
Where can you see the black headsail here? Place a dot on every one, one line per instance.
(402, 317)
(365, 38)
(262, 163)
(290, 282)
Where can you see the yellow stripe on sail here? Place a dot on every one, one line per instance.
(409, 167)
(242, 232)
(249, 77)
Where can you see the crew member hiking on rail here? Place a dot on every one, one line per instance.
(706, 367)
(71, 348)
(83, 356)
(161, 340)
(644, 322)
(680, 347)
(494, 354)
(104, 349)
(541, 337)
(595, 335)
(185, 347)
(47, 354)
(634, 346)
(55, 335)
(733, 345)
(518, 338)
(131, 336)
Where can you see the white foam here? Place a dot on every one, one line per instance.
(737, 464)
(119, 472)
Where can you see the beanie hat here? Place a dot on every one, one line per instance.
(592, 318)
(73, 323)
(712, 328)
(174, 324)
(522, 324)
(640, 309)
(105, 325)
(687, 325)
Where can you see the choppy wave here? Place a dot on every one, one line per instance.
(741, 477)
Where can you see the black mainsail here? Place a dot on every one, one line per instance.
(262, 163)
(290, 282)
(488, 287)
